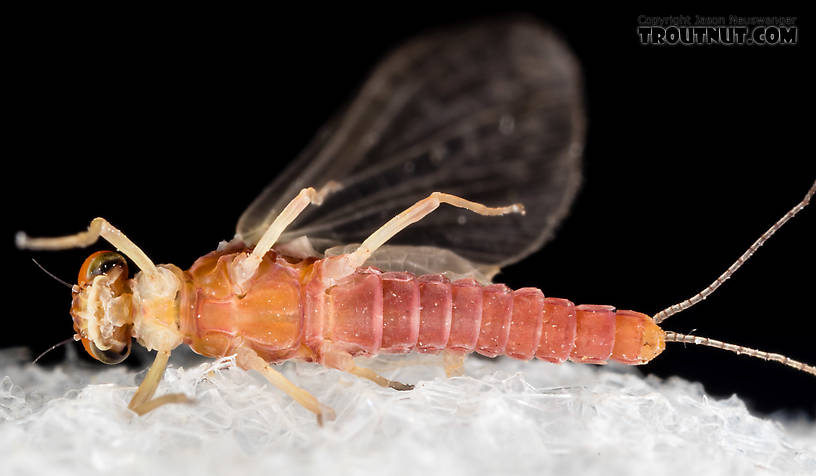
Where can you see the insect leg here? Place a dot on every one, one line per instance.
(454, 363)
(248, 359)
(99, 227)
(416, 212)
(143, 401)
(246, 267)
(342, 360)
(378, 379)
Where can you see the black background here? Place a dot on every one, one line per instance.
(169, 124)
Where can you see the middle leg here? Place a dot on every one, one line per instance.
(248, 359)
(245, 268)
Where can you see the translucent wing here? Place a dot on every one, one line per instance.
(491, 112)
(422, 260)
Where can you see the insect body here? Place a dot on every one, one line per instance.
(487, 115)
(290, 311)
(266, 308)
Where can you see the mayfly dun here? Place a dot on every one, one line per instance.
(460, 155)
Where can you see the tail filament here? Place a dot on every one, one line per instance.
(739, 350)
(682, 306)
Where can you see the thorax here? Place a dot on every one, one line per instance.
(265, 312)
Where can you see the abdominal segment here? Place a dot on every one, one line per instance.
(372, 312)
(289, 311)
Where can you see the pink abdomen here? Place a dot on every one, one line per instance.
(372, 312)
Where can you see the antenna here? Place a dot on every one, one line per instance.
(54, 347)
(682, 306)
(739, 350)
(49, 273)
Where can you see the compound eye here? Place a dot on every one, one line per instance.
(100, 263)
(110, 356)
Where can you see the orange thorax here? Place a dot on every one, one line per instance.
(266, 315)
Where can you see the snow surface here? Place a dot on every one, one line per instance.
(504, 417)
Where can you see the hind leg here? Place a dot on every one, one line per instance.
(454, 363)
(342, 360)
(417, 212)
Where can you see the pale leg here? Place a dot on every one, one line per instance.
(342, 360)
(454, 363)
(378, 379)
(417, 212)
(99, 227)
(244, 269)
(143, 401)
(248, 359)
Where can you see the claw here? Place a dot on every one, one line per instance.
(325, 413)
(399, 385)
(155, 403)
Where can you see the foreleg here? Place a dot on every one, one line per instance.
(143, 401)
(99, 228)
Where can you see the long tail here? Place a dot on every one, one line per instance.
(682, 306)
(739, 350)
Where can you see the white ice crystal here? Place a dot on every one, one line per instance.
(504, 417)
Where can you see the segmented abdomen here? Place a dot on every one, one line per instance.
(373, 312)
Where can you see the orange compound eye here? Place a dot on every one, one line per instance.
(100, 263)
(108, 357)
(86, 343)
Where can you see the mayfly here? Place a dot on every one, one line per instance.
(487, 119)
